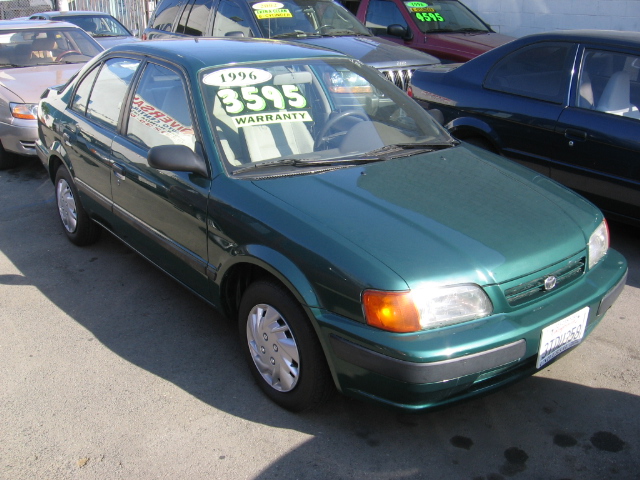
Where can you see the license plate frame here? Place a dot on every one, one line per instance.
(561, 336)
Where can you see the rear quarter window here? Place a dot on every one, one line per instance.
(540, 71)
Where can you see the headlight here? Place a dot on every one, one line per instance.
(426, 307)
(28, 111)
(598, 243)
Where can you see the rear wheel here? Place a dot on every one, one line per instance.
(77, 225)
(282, 349)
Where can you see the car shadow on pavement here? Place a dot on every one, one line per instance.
(547, 426)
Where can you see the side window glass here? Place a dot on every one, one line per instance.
(609, 83)
(160, 111)
(381, 14)
(182, 23)
(110, 88)
(231, 18)
(165, 14)
(541, 71)
(194, 19)
(81, 97)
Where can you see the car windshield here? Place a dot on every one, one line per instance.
(38, 46)
(444, 16)
(310, 113)
(97, 26)
(299, 18)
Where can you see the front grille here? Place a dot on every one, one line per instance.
(535, 288)
(28, 144)
(399, 77)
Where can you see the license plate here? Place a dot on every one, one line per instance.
(562, 336)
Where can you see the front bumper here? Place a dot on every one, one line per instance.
(441, 366)
(19, 136)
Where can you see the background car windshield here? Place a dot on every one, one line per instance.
(98, 26)
(299, 16)
(21, 48)
(443, 16)
(312, 111)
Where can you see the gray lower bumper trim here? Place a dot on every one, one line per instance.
(613, 294)
(411, 372)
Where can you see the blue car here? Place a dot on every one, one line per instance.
(563, 103)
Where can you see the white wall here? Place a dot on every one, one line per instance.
(522, 17)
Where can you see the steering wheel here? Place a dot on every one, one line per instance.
(64, 54)
(322, 135)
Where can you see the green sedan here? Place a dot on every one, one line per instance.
(356, 243)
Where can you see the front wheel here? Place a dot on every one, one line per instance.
(282, 349)
(77, 225)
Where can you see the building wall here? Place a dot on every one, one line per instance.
(522, 17)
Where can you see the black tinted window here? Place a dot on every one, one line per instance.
(165, 14)
(194, 19)
(540, 71)
(382, 13)
(231, 18)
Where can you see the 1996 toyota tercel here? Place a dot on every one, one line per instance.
(356, 243)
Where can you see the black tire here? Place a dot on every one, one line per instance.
(77, 225)
(284, 355)
(7, 160)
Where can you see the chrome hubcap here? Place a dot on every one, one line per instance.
(273, 348)
(67, 206)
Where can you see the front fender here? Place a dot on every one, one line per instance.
(467, 127)
(279, 266)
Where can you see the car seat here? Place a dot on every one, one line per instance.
(615, 98)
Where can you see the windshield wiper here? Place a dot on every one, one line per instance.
(308, 162)
(296, 34)
(390, 151)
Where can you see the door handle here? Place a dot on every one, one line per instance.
(575, 135)
(119, 171)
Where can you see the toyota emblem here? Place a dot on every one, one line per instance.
(550, 282)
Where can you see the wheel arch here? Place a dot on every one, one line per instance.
(261, 262)
(465, 128)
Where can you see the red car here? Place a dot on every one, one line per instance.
(446, 29)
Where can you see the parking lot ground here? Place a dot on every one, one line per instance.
(111, 370)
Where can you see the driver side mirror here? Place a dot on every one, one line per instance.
(176, 158)
(397, 30)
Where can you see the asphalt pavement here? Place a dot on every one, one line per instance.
(111, 370)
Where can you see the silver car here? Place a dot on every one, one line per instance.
(34, 55)
(105, 28)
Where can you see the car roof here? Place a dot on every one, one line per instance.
(73, 13)
(30, 24)
(200, 52)
(610, 37)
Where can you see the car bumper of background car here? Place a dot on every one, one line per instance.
(20, 136)
(442, 366)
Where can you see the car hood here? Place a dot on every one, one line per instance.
(374, 51)
(469, 44)
(449, 217)
(28, 83)
(108, 42)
